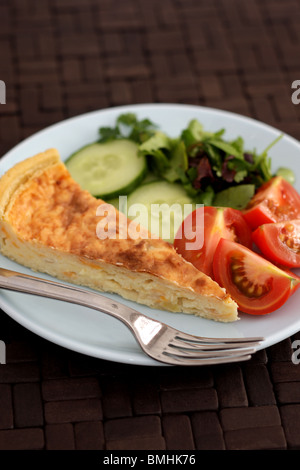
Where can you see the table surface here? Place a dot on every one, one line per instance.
(63, 58)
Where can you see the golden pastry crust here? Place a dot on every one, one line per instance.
(44, 209)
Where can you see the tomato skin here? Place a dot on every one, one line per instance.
(274, 239)
(292, 274)
(275, 201)
(218, 222)
(275, 285)
(258, 216)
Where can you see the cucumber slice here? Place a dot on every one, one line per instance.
(108, 169)
(160, 207)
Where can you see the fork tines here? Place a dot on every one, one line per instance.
(185, 349)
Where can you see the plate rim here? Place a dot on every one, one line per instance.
(148, 105)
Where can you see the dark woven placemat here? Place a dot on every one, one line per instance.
(63, 58)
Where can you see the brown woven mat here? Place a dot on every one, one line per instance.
(63, 58)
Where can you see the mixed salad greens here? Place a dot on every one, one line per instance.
(212, 170)
(135, 158)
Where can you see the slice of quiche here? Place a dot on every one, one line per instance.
(49, 224)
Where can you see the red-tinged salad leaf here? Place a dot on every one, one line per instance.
(231, 163)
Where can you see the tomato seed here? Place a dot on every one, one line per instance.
(245, 285)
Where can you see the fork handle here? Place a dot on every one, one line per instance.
(25, 283)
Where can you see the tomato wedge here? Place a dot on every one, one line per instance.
(258, 286)
(275, 201)
(216, 223)
(280, 242)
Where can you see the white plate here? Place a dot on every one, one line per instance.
(98, 335)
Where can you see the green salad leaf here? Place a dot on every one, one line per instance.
(212, 169)
(236, 197)
(128, 127)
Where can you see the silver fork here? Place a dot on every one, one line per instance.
(158, 340)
